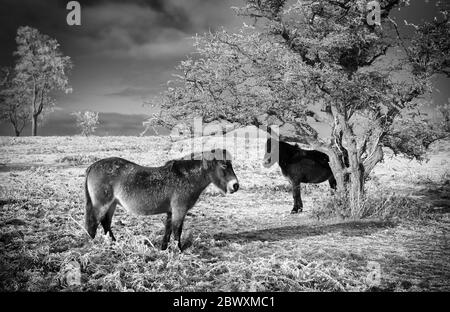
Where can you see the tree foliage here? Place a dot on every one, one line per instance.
(41, 69)
(14, 106)
(87, 122)
(318, 61)
(430, 48)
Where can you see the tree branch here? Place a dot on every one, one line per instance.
(372, 160)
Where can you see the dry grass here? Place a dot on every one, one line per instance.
(246, 241)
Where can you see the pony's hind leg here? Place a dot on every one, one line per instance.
(90, 216)
(91, 222)
(296, 192)
(332, 182)
(167, 232)
(107, 219)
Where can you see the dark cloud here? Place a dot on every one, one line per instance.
(114, 28)
(126, 50)
(123, 50)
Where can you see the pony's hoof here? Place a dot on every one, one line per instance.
(294, 211)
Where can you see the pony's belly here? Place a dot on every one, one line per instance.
(145, 209)
(143, 204)
(316, 179)
(307, 172)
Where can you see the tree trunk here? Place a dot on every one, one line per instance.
(349, 180)
(356, 184)
(356, 192)
(15, 127)
(372, 160)
(34, 113)
(338, 172)
(34, 125)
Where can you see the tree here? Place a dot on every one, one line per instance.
(41, 69)
(87, 122)
(318, 61)
(445, 111)
(13, 102)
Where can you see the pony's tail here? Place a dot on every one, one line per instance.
(91, 223)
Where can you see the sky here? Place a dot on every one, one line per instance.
(125, 51)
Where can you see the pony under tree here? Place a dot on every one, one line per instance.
(323, 62)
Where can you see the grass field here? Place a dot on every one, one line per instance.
(246, 241)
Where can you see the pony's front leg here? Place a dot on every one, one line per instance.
(332, 182)
(167, 232)
(298, 204)
(178, 214)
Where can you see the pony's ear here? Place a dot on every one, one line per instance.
(207, 158)
(171, 165)
(175, 167)
(219, 154)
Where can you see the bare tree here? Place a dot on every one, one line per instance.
(318, 61)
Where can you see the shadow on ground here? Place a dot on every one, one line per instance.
(437, 195)
(351, 228)
(13, 167)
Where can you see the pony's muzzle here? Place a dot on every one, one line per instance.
(232, 186)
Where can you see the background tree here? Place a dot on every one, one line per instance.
(87, 122)
(41, 69)
(445, 111)
(14, 106)
(318, 61)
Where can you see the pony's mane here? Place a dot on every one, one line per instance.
(193, 160)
